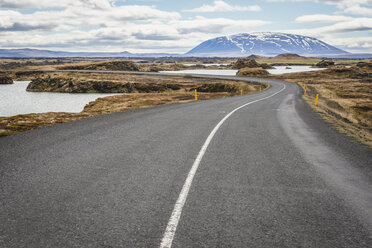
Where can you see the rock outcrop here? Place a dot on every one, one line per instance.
(5, 80)
(245, 63)
(105, 66)
(266, 66)
(324, 63)
(249, 63)
(252, 72)
(70, 85)
(217, 87)
(365, 65)
(353, 72)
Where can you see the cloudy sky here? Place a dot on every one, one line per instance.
(176, 25)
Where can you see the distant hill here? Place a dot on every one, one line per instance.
(288, 56)
(30, 53)
(350, 56)
(36, 53)
(291, 57)
(255, 57)
(264, 44)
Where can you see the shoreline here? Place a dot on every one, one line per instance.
(343, 91)
(117, 103)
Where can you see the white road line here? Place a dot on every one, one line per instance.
(168, 235)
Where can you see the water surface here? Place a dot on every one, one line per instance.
(292, 69)
(14, 100)
(277, 70)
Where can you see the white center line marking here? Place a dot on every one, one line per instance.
(168, 235)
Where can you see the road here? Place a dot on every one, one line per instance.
(260, 170)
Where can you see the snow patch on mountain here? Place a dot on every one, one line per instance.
(263, 43)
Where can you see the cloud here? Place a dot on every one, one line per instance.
(108, 25)
(323, 18)
(80, 17)
(15, 21)
(214, 25)
(357, 24)
(358, 10)
(352, 43)
(221, 6)
(347, 6)
(354, 25)
(41, 4)
(91, 27)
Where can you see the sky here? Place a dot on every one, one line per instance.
(174, 26)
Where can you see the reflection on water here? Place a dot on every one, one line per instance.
(14, 100)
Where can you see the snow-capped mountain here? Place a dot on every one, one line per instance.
(266, 43)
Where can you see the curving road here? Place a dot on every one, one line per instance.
(258, 170)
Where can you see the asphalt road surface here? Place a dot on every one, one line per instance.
(258, 170)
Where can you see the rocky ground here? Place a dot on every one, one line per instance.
(71, 85)
(6, 80)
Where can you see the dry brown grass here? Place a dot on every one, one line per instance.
(345, 98)
(289, 60)
(20, 123)
(118, 103)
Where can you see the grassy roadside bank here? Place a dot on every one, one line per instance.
(149, 92)
(344, 98)
(344, 90)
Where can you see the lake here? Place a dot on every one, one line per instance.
(14, 100)
(277, 70)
